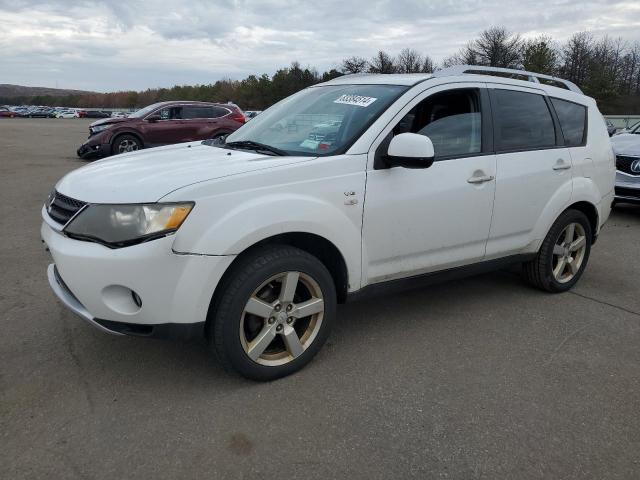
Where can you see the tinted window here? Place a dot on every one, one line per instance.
(450, 119)
(171, 113)
(573, 121)
(522, 121)
(203, 112)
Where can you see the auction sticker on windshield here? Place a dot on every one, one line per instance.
(357, 100)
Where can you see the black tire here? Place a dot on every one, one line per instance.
(539, 271)
(259, 265)
(121, 139)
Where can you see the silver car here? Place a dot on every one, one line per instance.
(628, 170)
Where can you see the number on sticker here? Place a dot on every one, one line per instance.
(357, 100)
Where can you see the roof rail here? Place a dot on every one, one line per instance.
(531, 76)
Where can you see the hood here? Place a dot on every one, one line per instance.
(109, 120)
(626, 144)
(148, 175)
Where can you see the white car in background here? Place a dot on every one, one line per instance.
(67, 114)
(119, 115)
(252, 242)
(626, 147)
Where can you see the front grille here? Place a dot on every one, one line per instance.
(623, 164)
(628, 192)
(61, 208)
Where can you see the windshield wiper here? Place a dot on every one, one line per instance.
(256, 146)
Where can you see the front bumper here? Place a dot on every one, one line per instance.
(93, 148)
(172, 291)
(627, 189)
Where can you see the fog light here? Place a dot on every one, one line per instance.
(136, 299)
(121, 299)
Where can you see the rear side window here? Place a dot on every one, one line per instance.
(573, 121)
(192, 112)
(522, 121)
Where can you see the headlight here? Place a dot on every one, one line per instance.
(122, 225)
(100, 128)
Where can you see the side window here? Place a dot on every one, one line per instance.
(219, 112)
(451, 119)
(192, 112)
(522, 121)
(573, 121)
(171, 113)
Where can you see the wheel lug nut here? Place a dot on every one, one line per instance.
(277, 308)
(290, 320)
(271, 320)
(279, 328)
(289, 307)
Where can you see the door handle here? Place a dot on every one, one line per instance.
(560, 165)
(480, 179)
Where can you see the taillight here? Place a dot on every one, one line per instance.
(238, 117)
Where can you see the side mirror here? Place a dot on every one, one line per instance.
(152, 118)
(410, 150)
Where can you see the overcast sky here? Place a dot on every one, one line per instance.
(112, 45)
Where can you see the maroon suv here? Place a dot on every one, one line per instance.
(161, 124)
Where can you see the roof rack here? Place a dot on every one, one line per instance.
(531, 76)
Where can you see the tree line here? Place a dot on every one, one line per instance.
(605, 68)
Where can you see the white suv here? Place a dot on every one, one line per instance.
(254, 241)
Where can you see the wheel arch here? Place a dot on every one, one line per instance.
(133, 133)
(321, 248)
(591, 212)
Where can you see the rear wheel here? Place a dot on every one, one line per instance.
(124, 144)
(274, 314)
(563, 255)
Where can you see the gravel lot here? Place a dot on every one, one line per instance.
(480, 378)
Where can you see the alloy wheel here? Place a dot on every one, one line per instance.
(281, 318)
(127, 145)
(569, 252)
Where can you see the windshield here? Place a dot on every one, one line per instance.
(319, 121)
(144, 111)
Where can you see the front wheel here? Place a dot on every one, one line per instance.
(563, 255)
(124, 144)
(274, 313)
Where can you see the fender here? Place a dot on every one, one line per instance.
(580, 189)
(557, 204)
(124, 131)
(239, 215)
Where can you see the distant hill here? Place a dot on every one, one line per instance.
(14, 91)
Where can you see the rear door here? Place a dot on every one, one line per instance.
(203, 121)
(533, 166)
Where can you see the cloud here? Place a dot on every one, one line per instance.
(110, 45)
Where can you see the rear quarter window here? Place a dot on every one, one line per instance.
(573, 121)
(522, 121)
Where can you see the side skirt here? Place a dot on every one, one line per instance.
(442, 276)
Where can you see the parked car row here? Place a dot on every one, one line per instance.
(56, 112)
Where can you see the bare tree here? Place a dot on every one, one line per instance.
(354, 65)
(576, 57)
(466, 56)
(409, 61)
(382, 63)
(428, 65)
(497, 47)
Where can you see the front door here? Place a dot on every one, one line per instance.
(421, 220)
(170, 128)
